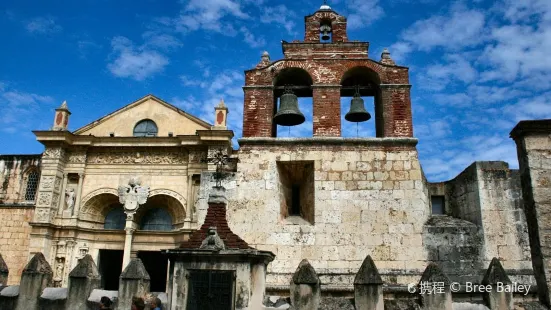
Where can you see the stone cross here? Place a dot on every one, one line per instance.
(220, 160)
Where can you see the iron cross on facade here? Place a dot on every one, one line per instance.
(220, 160)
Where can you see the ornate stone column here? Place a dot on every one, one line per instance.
(128, 241)
(76, 209)
(62, 193)
(131, 196)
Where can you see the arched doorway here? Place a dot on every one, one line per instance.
(161, 214)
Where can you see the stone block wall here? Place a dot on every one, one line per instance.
(14, 239)
(13, 172)
(488, 194)
(369, 198)
(533, 139)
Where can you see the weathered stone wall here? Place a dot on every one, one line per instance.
(369, 199)
(488, 194)
(485, 220)
(503, 218)
(14, 171)
(14, 239)
(533, 141)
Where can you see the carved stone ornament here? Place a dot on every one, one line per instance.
(42, 214)
(197, 156)
(44, 198)
(137, 157)
(56, 152)
(77, 158)
(47, 182)
(133, 195)
(213, 241)
(57, 184)
(55, 199)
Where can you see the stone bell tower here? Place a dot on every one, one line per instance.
(325, 67)
(310, 197)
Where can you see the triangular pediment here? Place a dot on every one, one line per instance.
(168, 118)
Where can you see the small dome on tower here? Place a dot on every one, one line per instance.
(325, 6)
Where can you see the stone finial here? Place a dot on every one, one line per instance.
(433, 274)
(64, 105)
(497, 299)
(386, 59)
(305, 274)
(442, 300)
(61, 119)
(220, 116)
(495, 273)
(305, 287)
(368, 273)
(135, 270)
(86, 268)
(83, 280)
(134, 281)
(368, 287)
(38, 264)
(37, 275)
(212, 241)
(264, 60)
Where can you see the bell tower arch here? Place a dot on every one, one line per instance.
(327, 66)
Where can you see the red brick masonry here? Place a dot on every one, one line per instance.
(216, 217)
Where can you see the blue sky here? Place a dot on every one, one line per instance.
(477, 67)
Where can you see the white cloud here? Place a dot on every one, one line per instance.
(154, 39)
(226, 85)
(43, 25)
(433, 129)
(19, 110)
(133, 62)
(87, 46)
(251, 39)
(207, 15)
(400, 50)
(363, 13)
(281, 15)
(459, 28)
(537, 107)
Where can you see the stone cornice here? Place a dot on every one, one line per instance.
(523, 128)
(230, 255)
(50, 138)
(328, 141)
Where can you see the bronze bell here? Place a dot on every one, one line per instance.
(325, 30)
(357, 112)
(288, 113)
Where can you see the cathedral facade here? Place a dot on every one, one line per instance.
(328, 199)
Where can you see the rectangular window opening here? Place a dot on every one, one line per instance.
(437, 203)
(296, 180)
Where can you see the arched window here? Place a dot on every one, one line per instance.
(146, 128)
(32, 185)
(156, 219)
(115, 219)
